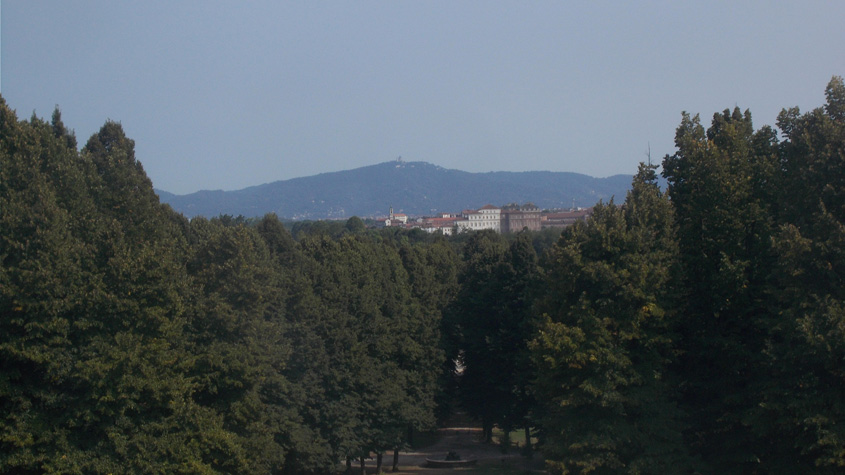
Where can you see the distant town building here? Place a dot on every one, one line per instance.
(394, 219)
(397, 217)
(487, 217)
(445, 225)
(564, 219)
(515, 218)
(510, 218)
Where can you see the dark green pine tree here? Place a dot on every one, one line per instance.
(126, 193)
(474, 319)
(61, 132)
(339, 326)
(236, 332)
(433, 278)
(804, 398)
(369, 358)
(297, 403)
(408, 350)
(42, 286)
(519, 280)
(722, 183)
(94, 367)
(492, 320)
(134, 362)
(604, 348)
(312, 417)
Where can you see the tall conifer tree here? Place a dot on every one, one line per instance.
(604, 348)
(93, 310)
(804, 399)
(720, 183)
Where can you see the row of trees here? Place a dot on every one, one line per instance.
(703, 329)
(700, 329)
(696, 330)
(134, 340)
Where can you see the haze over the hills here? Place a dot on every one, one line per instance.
(415, 188)
(220, 95)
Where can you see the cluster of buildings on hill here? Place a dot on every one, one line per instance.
(507, 219)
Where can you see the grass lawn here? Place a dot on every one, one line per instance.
(424, 439)
(517, 438)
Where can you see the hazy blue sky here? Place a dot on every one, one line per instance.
(224, 95)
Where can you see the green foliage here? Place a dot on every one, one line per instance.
(60, 131)
(390, 344)
(355, 225)
(605, 345)
(93, 370)
(698, 330)
(135, 340)
(237, 343)
(803, 398)
(433, 279)
(721, 185)
(492, 322)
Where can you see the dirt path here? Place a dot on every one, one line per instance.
(467, 443)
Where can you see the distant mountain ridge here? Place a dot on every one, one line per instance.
(414, 188)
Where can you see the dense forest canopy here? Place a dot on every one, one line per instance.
(696, 329)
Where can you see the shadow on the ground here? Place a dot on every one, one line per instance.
(467, 443)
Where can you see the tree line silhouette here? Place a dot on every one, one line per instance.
(697, 329)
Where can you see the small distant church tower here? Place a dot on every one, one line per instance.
(390, 216)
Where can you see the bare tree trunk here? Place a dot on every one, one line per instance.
(363, 465)
(529, 449)
(487, 429)
(378, 462)
(396, 459)
(348, 464)
(505, 443)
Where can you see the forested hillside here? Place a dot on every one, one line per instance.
(696, 330)
(703, 330)
(416, 188)
(134, 340)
